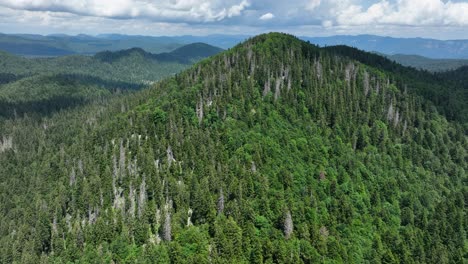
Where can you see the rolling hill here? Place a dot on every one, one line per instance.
(50, 84)
(185, 55)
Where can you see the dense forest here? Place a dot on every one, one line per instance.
(46, 85)
(275, 151)
(448, 90)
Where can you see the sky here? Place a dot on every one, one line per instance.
(440, 19)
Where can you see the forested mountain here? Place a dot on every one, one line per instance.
(431, 48)
(186, 54)
(44, 85)
(432, 65)
(275, 151)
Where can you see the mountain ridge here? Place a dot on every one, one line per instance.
(185, 54)
(432, 48)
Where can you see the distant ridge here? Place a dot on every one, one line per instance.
(86, 44)
(186, 54)
(431, 48)
(424, 63)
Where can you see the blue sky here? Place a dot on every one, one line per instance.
(441, 19)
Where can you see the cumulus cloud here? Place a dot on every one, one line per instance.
(267, 16)
(406, 12)
(164, 10)
(316, 17)
(236, 10)
(312, 4)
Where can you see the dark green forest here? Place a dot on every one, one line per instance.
(274, 151)
(47, 85)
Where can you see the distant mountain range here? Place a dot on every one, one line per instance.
(59, 45)
(431, 48)
(396, 48)
(424, 63)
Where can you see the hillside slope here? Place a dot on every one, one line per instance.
(49, 84)
(445, 90)
(275, 151)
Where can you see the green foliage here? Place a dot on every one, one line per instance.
(47, 85)
(275, 151)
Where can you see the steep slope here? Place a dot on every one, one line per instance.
(275, 151)
(448, 95)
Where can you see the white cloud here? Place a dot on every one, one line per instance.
(164, 10)
(407, 13)
(267, 16)
(429, 18)
(327, 23)
(236, 10)
(312, 4)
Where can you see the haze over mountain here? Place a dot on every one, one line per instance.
(57, 45)
(275, 151)
(424, 63)
(431, 48)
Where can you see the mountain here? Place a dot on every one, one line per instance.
(218, 40)
(59, 45)
(431, 48)
(185, 55)
(433, 65)
(274, 151)
(44, 85)
(190, 53)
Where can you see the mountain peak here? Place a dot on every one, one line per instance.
(185, 54)
(194, 51)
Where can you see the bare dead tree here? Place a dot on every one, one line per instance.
(221, 201)
(288, 225)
